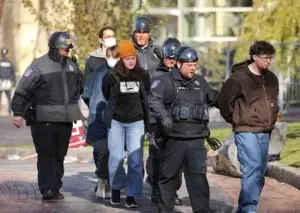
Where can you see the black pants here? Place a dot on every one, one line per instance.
(153, 160)
(101, 155)
(191, 156)
(51, 142)
(8, 96)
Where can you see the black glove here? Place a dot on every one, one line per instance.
(152, 141)
(159, 53)
(167, 124)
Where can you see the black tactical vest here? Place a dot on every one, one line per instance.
(188, 110)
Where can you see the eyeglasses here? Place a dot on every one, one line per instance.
(265, 58)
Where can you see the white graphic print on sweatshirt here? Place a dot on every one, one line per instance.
(129, 86)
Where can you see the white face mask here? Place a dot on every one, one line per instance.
(111, 62)
(108, 42)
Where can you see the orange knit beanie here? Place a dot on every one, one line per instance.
(126, 48)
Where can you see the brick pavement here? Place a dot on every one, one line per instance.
(19, 192)
(276, 197)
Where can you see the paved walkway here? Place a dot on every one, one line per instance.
(19, 192)
(276, 197)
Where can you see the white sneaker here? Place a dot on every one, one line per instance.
(103, 189)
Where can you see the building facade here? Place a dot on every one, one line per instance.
(198, 20)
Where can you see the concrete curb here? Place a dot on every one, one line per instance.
(285, 174)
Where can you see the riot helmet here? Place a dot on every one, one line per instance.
(187, 54)
(60, 40)
(142, 25)
(170, 47)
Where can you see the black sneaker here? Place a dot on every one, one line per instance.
(115, 197)
(58, 195)
(48, 195)
(130, 202)
(178, 201)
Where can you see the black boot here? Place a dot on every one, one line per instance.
(48, 195)
(58, 195)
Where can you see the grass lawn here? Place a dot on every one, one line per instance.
(290, 155)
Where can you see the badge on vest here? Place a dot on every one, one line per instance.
(129, 86)
(71, 68)
(197, 83)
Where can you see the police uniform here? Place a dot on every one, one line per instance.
(181, 106)
(147, 57)
(169, 49)
(49, 91)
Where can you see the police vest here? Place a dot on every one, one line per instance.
(188, 110)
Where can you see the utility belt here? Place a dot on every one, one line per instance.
(190, 113)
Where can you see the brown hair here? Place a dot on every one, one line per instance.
(100, 34)
(121, 69)
(114, 51)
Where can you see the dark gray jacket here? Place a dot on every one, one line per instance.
(95, 60)
(147, 58)
(53, 88)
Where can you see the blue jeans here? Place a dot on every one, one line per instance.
(133, 135)
(253, 157)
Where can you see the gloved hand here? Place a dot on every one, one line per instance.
(152, 141)
(167, 124)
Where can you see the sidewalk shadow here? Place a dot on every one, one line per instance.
(86, 181)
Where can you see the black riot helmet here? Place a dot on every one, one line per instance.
(187, 54)
(142, 25)
(60, 40)
(170, 47)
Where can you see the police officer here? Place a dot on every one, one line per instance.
(49, 91)
(168, 62)
(144, 45)
(7, 76)
(179, 100)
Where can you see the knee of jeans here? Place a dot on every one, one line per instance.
(115, 159)
(135, 164)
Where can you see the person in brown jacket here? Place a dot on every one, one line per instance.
(248, 101)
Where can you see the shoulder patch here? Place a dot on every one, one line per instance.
(28, 72)
(155, 83)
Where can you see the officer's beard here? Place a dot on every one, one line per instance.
(55, 56)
